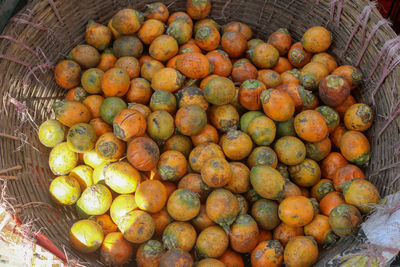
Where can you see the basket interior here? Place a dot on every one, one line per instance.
(263, 16)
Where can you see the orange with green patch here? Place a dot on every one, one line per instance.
(290, 150)
(358, 117)
(262, 130)
(331, 117)
(224, 117)
(206, 22)
(265, 212)
(70, 113)
(81, 138)
(310, 126)
(305, 174)
(207, 38)
(212, 242)
(316, 39)
(330, 201)
(344, 220)
(107, 60)
(85, 55)
(249, 94)
(179, 143)
(312, 74)
(97, 35)
(193, 65)
(216, 172)
(244, 234)
(190, 120)
(127, 21)
(267, 182)
(322, 188)
(236, 145)
(168, 79)
(194, 182)
(150, 30)
(220, 61)
(128, 46)
(222, 207)
(149, 254)
(334, 90)
(243, 70)
(163, 100)
(76, 94)
(172, 165)
(239, 27)
(189, 48)
(67, 74)
(198, 9)
(219, 90)
(319, 150)
(301, 251)
(264, 56)
(355, 147)
(346, 173)
(191, 96)
(270, 78)
(298, 56)
(361, 193)
(180, 235)
(281, 40)
(163, 48)
(277, 104)
(180, 30)
(267, 253)
(320, 229)
(158, 11)
(160, 125)
(149, 68)
(351, 74)
(183, 204)
(284, 233)
(291, 76)
(129, 123)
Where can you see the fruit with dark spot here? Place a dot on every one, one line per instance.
(143, 153)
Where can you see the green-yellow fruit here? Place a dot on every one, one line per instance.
(95, 200)
(81, 137)
(122, 205)
(62, 160)
(86, 236)
(65, 190)
(51, 133)
(84, 175)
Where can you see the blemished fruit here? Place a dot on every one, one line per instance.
(182, 142)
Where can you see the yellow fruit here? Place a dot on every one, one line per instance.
(93, 159)
(86, 236)
(51, 133)
(122, 177)
(121, 206)
(62, 160)
(84, 175)
(65, 190)
(95, 200)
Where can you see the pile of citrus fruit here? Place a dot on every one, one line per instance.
(181, 141)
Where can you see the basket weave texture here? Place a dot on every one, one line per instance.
(27, 98)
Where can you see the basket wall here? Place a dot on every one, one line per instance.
(264, 16)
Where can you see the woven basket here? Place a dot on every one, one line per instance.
(28, 90)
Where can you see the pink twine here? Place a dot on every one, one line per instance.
(39, 26)
(386, 45)
(19, 43)
(371, 35)
(20, 106)
(15, 60)
(53, 6)
(364, 17)
(339, 5)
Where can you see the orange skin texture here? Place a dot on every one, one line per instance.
(282, 65)
(206, 22)
(171, 187)
(158, 11)
(139, 91)
(190, 120)
(98, 36)
(210, 262)
(220, 61)
(304, 191)
(76, 94)
(249, 94)
(336, 135)
(180, 16)
(194, 182)
(212, 242)
(334, 90)
(86, 56)
(358, 117)
(107, 225)
(129, 123)
(231, 259)
(240, 181)
(233, 43)
(216, 172)
(145, 110)
(198, 9)
(239, 27)
(281, 41)
(126, 21)
(305, 174)
(206, 80)
(264, 235)
(193, 65)
(265, 212)
(93, 103)
(179, 143)
(202, 221)
(277, 105)
(342, 108)
(223, 117)
(321, 189)
(172, 62)
(298, 56)
(346, 173)
(202, 153)
(222, 207)
(115, 82)
(177, 258)
(267, 253)
(207, 38)
(284, 233)
(287, 77)
(319, 150)
(70, 113)
(329, 202)
(243, 70)
(310, 126)
(290, 150)
(344, 219)
(188, 48)
(172, 160)
(296, 211)
(107, 61)
(353, 146)
(265, 56)
(208, 134)
(311, 106)
(180, 30)
(144, 59)
(317, 39)
(312, 74)
(326, 59)
(150, 30)
(291, 189)
(149, 68)
(167, 79)
(163, 48)
(149, 254)
(161, 220)
(362, 194)
(179, 235)
(67, 74)
(243, 235)
(318, 228)
(115, 249)
(270, 78)
(130, 65)
(183, 204)
(100, 127)
(143, 153)
(219, 91)
(114, 32)
(331, 163)
(151, 196)
(350, 73)
(301, 251)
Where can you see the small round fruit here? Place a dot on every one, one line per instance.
(198, 9)
(81, 138)
(310, 126)
(191, 120)
(224, 117)
(219, 91)
(277, 104)
(331, 117)
(193, 65)
(70, 112)
(207, 37)
(110, 147)
(298, 56)
(281, 40)
(65, 190)
(355, 147)
(216, 172)
(201, 153)
(137, 226)
(143, 153)
(172, 165)
(150, 30)
(321, 189)
(62, 160)
(163, 100)
(262, 155)
(115, 250)
(222, 207)
(296, 211)
(246, 118)
(267, 182)
(344, 220)
(163, 48)
(234, 43)
(176, 257)
(265, 56)
(290, 150)
(243, 70)
(265, 212)
(362, 194)
(160, 125)
(262, 130)
(183, 204)
(127, 21)
(320, 229)
(158, 11)
(351, 74)
(358, 117)
(346, 173)
(301, 251)
(212, 242)
(267, 253)
(86, 236)
(191, 96)
(122, 178)
(240, 180)
(179, 143)
(329, 202)
(129, 123)
(334, 90)
(305, 174)
(316, 39)
(149, 254)
(51, 133)
(236, 145)
(249, 94)
(67, 74)
(95, 200)
(284, 233)
(110, 107)
(180, 235)
(244, 234)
